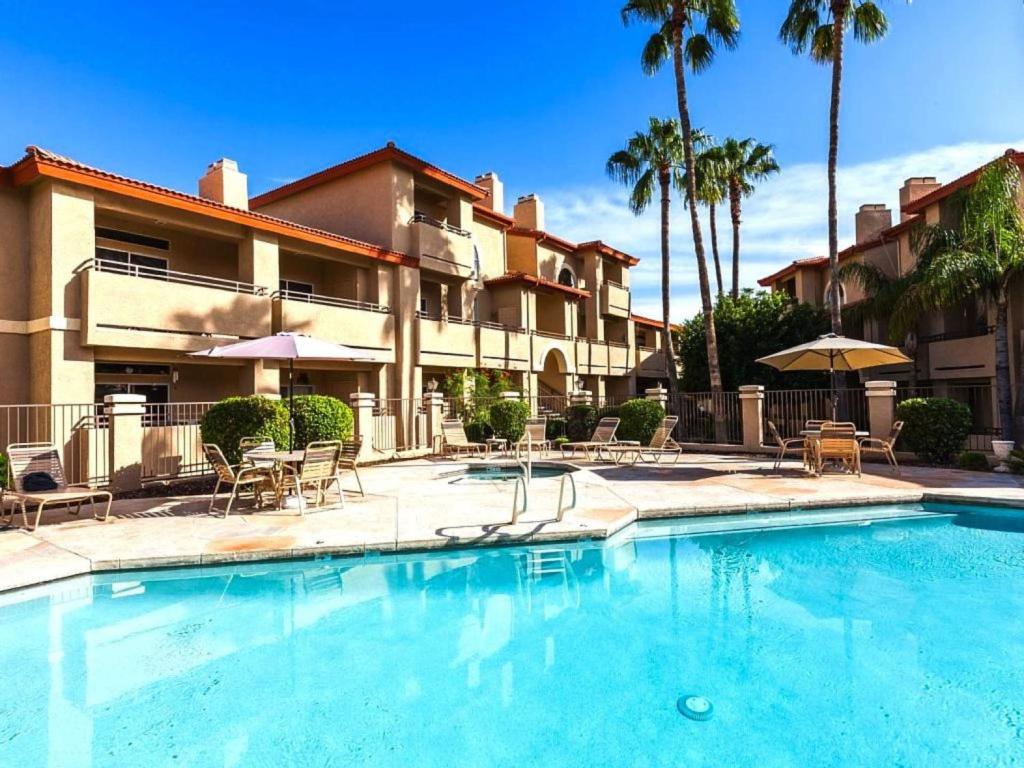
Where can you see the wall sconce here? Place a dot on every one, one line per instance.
(432, 385)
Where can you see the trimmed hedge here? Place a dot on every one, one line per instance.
(478, 431)
(555, 428)
(580, 421)
(508, 419)
(3, 470)
(320, 417)
(639, 420)
(973, 461)
(233, 418)
(935, 428)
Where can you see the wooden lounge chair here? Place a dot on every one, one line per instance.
(660, 444)
(37, 462)
(786, 444)
(604, 434)
(838, 442)
(535, 436)
(319, 469)
(244, 476)
(455, 442)
(885, 446)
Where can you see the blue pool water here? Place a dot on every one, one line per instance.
(895, 643)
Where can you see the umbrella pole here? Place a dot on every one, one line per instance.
(291, 406)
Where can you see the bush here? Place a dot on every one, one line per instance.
(478, 431)
(3, 471)
(561, 440)
(555, 428)
(935, 428)
(973, 461)
(640, 418)
(319, 417)
(508, 419)
(580, 421)
(233, 418)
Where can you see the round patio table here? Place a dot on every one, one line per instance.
(292, 458)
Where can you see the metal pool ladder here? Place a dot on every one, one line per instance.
(526, 477)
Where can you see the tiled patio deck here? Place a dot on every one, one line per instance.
(408, 506)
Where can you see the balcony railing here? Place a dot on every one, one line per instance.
(422, 315)
(981, 330)
(171, 276)
(422, 218)
(330, 301)
(615, 284)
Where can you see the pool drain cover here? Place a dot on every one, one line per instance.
(695, 707)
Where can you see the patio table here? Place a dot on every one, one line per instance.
(292, 458)
(811, 435)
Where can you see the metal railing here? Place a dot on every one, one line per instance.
(615, 284)
(973, 333)
(435, 317)
(790, 409)
(399, 424)
(171, 276)
(982, 399)
(172, 445)
(330, 301)
(705, 417)
(78, 430)
(422, 218)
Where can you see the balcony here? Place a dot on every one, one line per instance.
(591, 357)
(543, 343)
(366, 326)
(504, 348)
(966, 357)
(614, 299)
(449, 343)
(143, 307)
(650, 362)
(441, 247)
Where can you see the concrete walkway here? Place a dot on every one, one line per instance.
(414, 505)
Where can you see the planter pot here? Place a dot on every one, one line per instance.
(1002, 448)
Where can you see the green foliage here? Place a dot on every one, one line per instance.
(476, 391)
(477, 431)
(935, 428)
(508, 419)
(748, 327)
(1016, 462)
(640, 418)
(561, 440)
(3, 471)
(580, 421)
(808, 26)
(319, 417)
(638, 165)
(555, 428)
(973, 461)
(233, 418)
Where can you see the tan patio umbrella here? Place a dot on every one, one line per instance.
(834, 353)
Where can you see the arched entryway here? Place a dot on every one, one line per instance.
(553, 380)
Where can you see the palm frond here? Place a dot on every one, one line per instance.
(655, 53)
(698, 52)
(869, 22)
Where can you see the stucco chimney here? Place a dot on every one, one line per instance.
(915, 188)
(870, 220)
(529, 212)
(495, 199)
(226, 184)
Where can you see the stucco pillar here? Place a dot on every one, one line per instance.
(581, 397)
(433, 404)
(259, 264)
(362, 421)
(658, 394)
(752, 415)
(881, 397)
(124, 446)
(408, 380)
(260, 377)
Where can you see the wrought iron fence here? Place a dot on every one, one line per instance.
(399, 425)
(705, 417)
(78, 430)
(790, 409)
(172, 445)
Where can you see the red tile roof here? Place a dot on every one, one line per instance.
(40, 162)
(389, 153)
(606, 250)
(789, 269)
(537, 282)
(964, 181)
(545, 238)
(482, 211)
(648, 321)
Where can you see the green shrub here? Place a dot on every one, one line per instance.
(608, 410)
(561, 440)
(973, 461)
(935, 428)
(319, 417)
(555, 428)
(580, 421)
(639, 419)
(227, 422)
(508, 419)
(478, 431)
(3, 471)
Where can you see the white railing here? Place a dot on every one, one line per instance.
(172, 276)
(329, 301)
(422, 218)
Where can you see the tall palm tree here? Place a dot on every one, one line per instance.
(818, 27)
(743, 163)
(978, 258)
(650, 161)
(687, 33)
(711, 190)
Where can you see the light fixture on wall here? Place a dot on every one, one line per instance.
(432, 385)
(174, 375)
(580, 383)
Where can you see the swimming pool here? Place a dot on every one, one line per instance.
(894, 643)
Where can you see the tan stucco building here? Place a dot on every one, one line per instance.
(106, 283)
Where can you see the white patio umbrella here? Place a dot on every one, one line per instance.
(289, 346)
(834, 353)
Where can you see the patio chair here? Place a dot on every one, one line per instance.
(455, 442)
(838, 442)
(884, 445)
(319, 469)
(35, 475)
(604, 434)
(813, 424)
(660, 444)
(241, 477)
(535, 435)
(786, 444)
(349, 459)
(253, 445)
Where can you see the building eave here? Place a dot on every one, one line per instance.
(511, 278)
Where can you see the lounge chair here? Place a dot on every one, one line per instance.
(604, 434)
(252, 446)
(885, 446)
(244, 476)
(455, 442)
(660, 444)
(786, 445)
(535, 435)
(349, 459)
(838, 442)
(39, 464)
(320, 468)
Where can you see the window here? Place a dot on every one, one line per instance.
(157, 243)
(566, 277)
(296, 288)
(113, 260)
(423, 305)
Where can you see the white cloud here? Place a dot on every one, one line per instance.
(783, 221)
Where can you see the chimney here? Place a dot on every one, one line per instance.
(224, 183)
(914, 189)
(529, 212)
(495, 199)
(870, 220)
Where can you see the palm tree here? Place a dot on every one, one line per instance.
(978, 258)
(818, 27)
(687, 33)
(711, 190)
(743, 163)
(654, 160)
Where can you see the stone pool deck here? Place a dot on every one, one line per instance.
(410, 506)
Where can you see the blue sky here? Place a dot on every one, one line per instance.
(542, 93)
